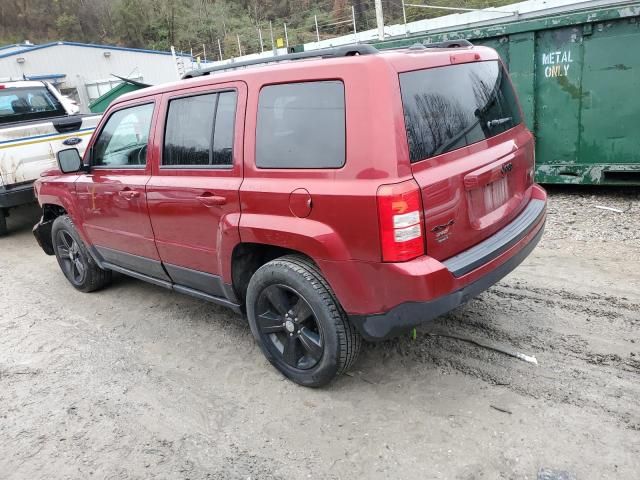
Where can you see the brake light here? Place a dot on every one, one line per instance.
(400, 217)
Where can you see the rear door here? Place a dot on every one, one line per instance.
(193, 195)
(470, 152)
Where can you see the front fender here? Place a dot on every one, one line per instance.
(60, 191)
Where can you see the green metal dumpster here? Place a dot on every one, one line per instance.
(578, 79)
(101, 103)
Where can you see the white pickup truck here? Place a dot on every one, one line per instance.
(35, 122)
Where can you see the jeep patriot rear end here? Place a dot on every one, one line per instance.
(346, 194)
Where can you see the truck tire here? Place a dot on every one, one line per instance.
(298, 322)
(3, 223)
(74, 259)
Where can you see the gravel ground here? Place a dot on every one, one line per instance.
(138, 382)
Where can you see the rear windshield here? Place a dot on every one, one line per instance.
(20, 104)
(450, 107)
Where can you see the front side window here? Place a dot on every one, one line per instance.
(123, 140)
(450, 107)
(301, 125)
(199, 130)
(21, 104)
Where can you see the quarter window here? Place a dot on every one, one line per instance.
(301, 125)
(199, 130)
(123, 140)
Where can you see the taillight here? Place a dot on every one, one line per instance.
(400, 216)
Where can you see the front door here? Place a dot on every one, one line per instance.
(112, 195)
(193, 194)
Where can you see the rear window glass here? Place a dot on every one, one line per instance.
(20, 104)
(446, 108)
(301, 125)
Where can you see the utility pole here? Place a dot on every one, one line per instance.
(239, 47)
(204, 52)
(353, 17)
(260, 35)
(315, 17)
(404, 17)
(219, 49)
(286, 36)
(273, 44)
(380, 19)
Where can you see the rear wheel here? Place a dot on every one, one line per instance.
(74, 259)
(298, 322)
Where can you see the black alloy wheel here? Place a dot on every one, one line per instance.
(298, 322)
(72, 260)
(289, 327)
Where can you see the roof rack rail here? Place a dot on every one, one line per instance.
(462, 43)
(335, 52)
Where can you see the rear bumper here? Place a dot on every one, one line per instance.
(385, 299)
(410, 314)
(14, 196)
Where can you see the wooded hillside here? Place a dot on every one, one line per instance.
(187, 24)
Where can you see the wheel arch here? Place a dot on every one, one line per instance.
(248, 257)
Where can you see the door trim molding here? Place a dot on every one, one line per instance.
(134, 263)
(202, 285)
(195, 279)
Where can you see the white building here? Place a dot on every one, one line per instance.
(84, 71)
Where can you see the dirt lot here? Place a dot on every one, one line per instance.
(139, 382)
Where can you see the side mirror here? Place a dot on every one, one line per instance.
(69, 160)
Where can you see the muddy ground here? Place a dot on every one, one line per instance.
(139, 382)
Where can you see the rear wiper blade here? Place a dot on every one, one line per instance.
(498, 121)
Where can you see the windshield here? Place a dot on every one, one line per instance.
(450, 107)
(20, 104)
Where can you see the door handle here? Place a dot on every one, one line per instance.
(129, 194)
(208, 199)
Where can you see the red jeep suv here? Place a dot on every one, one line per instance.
(331, 196)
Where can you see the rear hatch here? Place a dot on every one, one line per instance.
(470, 152)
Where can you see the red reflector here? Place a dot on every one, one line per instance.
(2, 86)
(463, 57)
(400, 217)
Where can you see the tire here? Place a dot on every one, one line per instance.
(299, 323)
(3, 223)
(74, 259)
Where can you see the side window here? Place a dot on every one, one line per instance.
(22, 104)
(223, 135)
(301, 125)
(123, 140)
(199, 130)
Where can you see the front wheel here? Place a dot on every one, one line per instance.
(298, 322)
(74, 259)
